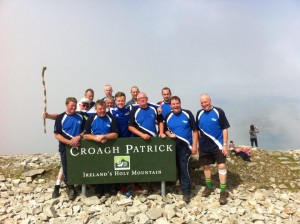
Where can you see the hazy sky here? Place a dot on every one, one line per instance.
(245, 54)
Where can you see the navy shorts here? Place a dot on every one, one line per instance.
(207, 158)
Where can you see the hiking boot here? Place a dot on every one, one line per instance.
(223, 198)
(56, 193)
(71, 192)
(207, 191)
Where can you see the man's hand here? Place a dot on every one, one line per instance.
(75, 142)
(146, 136)
(172, 135)
(194, 150)
(159, 110)
(225, 150)
(45, 115)
(162, 135)
(100, 138)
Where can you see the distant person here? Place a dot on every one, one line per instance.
(108, 90)
(213, 132)
(181, 125)
(166, 103)
(134, 91)
(231, 145)
(243, 152)
(253, 138)
(68, 130)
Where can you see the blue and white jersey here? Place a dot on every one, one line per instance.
(144, 119)
(101, 125)
(211, 125)
(122, 116)
(69, 126)
(165, 107)
(182, 125)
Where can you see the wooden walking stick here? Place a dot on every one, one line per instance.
(45, 98)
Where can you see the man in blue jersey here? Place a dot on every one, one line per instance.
(165, 104)
(142, 122)
(213, 129)
(101, 126)
(121, 113)
(68, 131)
(181, 125)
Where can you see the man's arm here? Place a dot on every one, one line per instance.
(195, 142)
(49, 116)
(72, 142)
(138, 133)
(161, 130)
(225, 142)
(101, 138)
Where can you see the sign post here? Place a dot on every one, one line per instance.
(122, 160)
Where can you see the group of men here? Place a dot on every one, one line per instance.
(207, 133)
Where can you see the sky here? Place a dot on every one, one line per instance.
(244, 54)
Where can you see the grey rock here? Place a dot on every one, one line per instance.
(32, 173)
(94, 200)
(154, 213)
(141, 218)
(257, 217)
(2, 178)
(126, 201)
(133, 211)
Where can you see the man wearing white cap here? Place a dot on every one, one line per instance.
(84, 104)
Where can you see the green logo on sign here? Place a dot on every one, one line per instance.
(122, 162)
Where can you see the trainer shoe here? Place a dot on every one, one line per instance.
(56, 193)
(207, 191)
(71, 192)
(223, 198)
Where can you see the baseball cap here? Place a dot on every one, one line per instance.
(84, 100)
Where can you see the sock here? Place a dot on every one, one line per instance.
(223, 187)
(208, 182)
(58, 182)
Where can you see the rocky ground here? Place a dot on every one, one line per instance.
(265, 190)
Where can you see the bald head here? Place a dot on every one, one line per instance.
(142, 99)
(205, 102)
